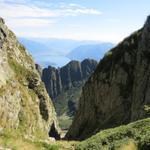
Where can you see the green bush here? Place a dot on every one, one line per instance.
(109, 53)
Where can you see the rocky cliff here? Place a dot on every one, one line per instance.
(24, 103)
(61, 79)
(64, 84)
(118, 91)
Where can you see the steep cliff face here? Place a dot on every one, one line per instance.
(52, 80)
(24, 103)
(64, 86)
(61, 79)
(118, 91)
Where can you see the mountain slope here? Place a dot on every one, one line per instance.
(118, 91)
(64, 84)
(134, 136)
(25, 106)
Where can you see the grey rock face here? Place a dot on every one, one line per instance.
(118, 91)
(64, 85)
(24, 103)
(52, 80)
(61, 79)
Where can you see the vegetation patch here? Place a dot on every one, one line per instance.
(130, 146)
(147, 109)
(2, 90)
(135, 136)
(14, 141)
(65, 121)
(66, 106)
(8, 141)
(109, 53)
(20, 71)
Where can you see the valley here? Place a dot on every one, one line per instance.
(101, 106)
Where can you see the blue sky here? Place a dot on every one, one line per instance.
(103, 20)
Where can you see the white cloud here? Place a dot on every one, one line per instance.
(19, 10)
(73, 9)
(32, 23)
(74, 5)
(38, 16)
(22, 10)
(78, 11)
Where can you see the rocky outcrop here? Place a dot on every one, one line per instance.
(24, 103)
(64, 85)
(51, 78)
(118, 91)
(61, 79)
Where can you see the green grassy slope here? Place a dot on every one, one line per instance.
(134, 136)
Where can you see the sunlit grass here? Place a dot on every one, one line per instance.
(130, 146)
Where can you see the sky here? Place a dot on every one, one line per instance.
(102, 20)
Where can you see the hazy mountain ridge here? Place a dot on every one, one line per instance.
(93, 51)
(59, 52)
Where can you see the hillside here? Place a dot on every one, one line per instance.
(116, 94)
(64, 86)
(25, 107)
(118, 91)
(134, 136)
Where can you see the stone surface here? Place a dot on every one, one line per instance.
(61, 79)
(24, 103)
(118, 91)
(64, 85)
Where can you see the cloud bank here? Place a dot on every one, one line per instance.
(27, 13)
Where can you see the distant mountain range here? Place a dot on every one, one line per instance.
(48, 51)
(92, 51)
(58, 52)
